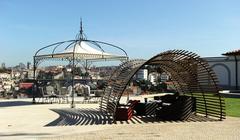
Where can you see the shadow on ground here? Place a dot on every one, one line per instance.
(14, 103)
(90, 116)
(23, 134)
(80, 117)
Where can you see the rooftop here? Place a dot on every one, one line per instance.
(235, 52)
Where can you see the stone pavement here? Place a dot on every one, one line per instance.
(19, 119)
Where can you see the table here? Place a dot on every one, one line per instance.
(153, 95)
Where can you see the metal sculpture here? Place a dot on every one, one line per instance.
(190, 74)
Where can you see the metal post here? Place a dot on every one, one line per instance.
(73, 74)
(34, 77)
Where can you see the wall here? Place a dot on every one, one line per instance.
(225, 69)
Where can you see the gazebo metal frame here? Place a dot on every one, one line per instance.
(73, 57)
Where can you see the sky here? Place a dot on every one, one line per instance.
(143, 28)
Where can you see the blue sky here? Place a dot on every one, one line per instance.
(142, 27)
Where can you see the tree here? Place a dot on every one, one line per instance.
(5, 70)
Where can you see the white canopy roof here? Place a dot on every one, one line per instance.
(84, 48)
(83, 51)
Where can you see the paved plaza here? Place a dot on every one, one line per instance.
(22, 120)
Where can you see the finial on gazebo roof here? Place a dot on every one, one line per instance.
(81, 36)
(81, 29)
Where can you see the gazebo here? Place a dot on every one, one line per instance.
(76, 51)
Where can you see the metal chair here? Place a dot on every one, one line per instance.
(51, 92)
(69, 92)
(86, 93)
(43, 95)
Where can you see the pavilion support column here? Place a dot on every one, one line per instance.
(34, 78)
(73, 81)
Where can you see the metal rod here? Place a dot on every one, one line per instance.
(73, 80)
(34, 77)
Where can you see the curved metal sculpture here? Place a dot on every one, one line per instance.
(190, 74)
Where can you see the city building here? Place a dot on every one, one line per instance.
(3, 65)
(152, 77)
(226, 69)
(142, 74)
